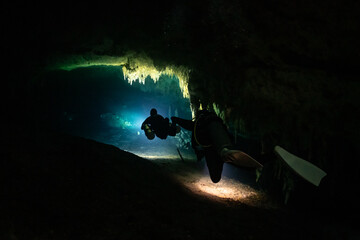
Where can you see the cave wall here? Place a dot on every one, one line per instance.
(287, 73)
(283, 72)
(279, 70)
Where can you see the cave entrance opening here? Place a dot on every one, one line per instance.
(99, 103)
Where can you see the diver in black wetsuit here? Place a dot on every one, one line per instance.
(211, 139)
(158, 125)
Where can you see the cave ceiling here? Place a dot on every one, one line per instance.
(275, 65)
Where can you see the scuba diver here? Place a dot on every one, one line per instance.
(210, 139)
(159, 126)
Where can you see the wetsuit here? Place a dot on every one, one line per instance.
(158, 124)
(209, 136)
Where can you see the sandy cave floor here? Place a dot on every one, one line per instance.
(64, 187)
(231, 190)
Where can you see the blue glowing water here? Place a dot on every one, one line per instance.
(96, 103)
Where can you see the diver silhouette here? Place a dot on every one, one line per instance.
(211, 139)
(159, 126)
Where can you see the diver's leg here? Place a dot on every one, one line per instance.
(223, 146)
(214, 164)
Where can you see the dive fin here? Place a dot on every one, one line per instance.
(240, 159)
(303, 168)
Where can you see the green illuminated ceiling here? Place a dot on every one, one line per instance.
(135, 67)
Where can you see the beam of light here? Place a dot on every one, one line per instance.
(194, 176)
(226, 189)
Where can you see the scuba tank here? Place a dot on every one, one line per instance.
(148, 132)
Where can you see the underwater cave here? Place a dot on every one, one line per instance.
(81, 79)
(98, 103)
